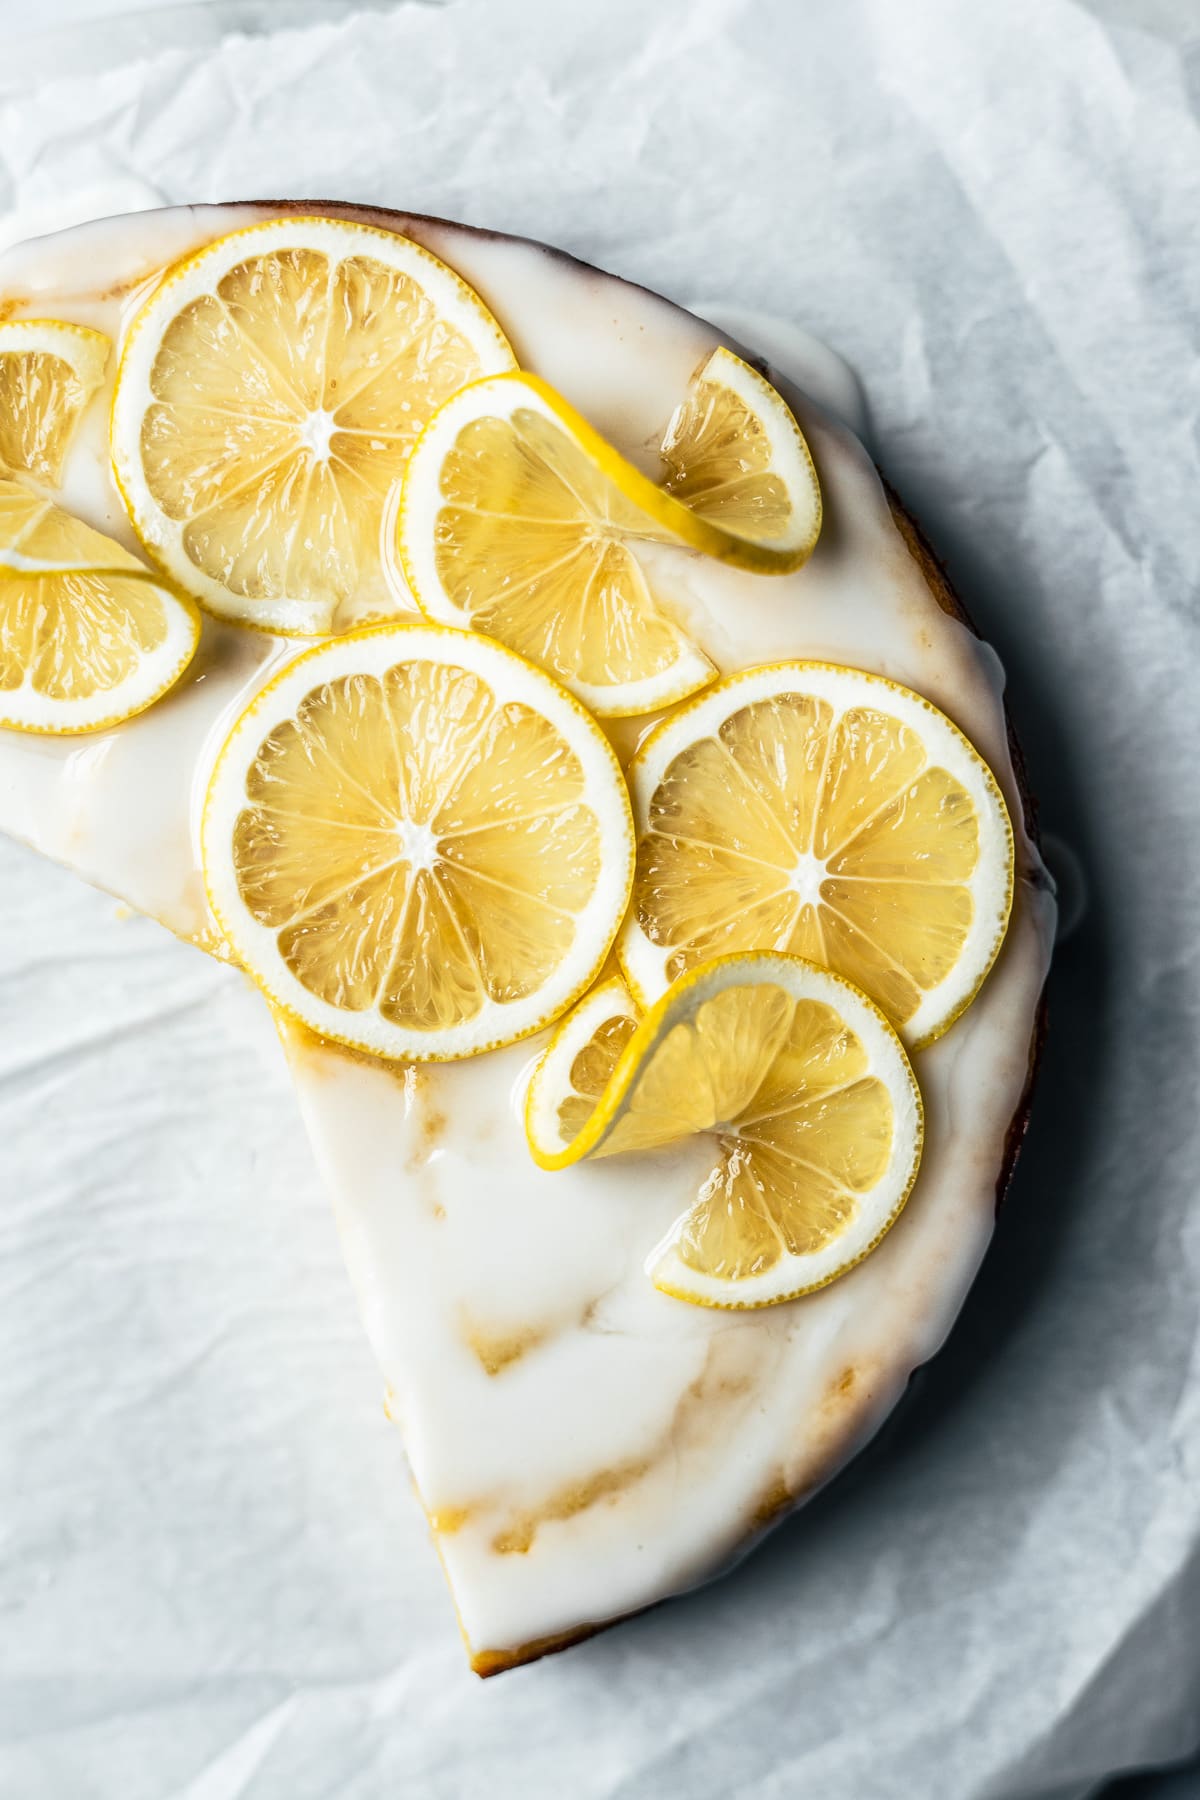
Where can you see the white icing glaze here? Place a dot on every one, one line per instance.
(582, 1444)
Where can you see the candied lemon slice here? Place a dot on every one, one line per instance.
(49, 370)
(88, 637)
(518, 519)
(829, 813)
(417, 843)
(815, 1118)
(268, 397)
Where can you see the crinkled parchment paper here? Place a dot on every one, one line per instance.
(213, 1583)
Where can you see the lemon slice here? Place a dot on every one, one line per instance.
(88, 637)
(49, 370)
(734, 454)
(417, 843)
(829, 813)
(518, 519)
(267, 400)
(815, 1117)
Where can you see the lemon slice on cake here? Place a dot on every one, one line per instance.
(829, 813)
(814, 1114)
(417, 843)
(49, 370)
(88, 637)
(519, 519)
(268, 397)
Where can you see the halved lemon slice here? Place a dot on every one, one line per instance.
(417, 843)
(49, 370)
(829, 813)
(734, 454)
(517, 518)
(815, 1117)
(267, 400)
(88, 637)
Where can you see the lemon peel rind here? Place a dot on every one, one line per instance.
(160, 537)
(395, 1044)
(640, 961)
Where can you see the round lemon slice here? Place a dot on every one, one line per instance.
(49, 370)
(814, 1114)
(417, 843)
(829, 813)
(88, 637)
(268, 397)
(519, 519)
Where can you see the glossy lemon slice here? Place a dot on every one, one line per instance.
(417, 843)
(268, 397)
(49, 370)
(88, 637)
(814, 1114)
(518, 519)
(831, 814)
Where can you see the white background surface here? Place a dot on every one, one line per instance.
(213, 1583)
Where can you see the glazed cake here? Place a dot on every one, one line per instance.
(583, 1443)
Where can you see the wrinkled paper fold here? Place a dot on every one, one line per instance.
(214, 1582)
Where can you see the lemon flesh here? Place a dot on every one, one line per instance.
(267, 405)
(87, 637)
(806, 1095)
(49, 370)
(832, 815)
(418, 844)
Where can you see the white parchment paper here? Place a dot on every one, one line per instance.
(213, 1582)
